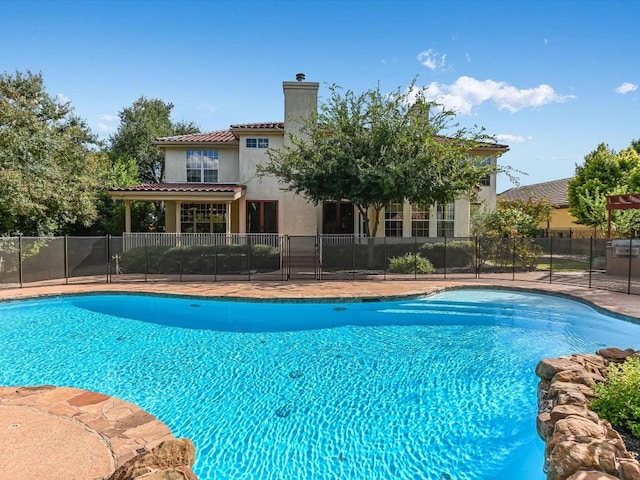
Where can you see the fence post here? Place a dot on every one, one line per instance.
(66, 260)
(513, 260)
(590, 258)
(215, 262)
(20, 259)
(629, 272)
(179, 244)
(550, 258)
(444, 257)
(353, 256)
(107, 247)
(415, 258)
(146, 259)
(249, 257)
(384, 260)
(477, 257)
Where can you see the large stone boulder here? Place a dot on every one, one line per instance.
(617, 355)
(170, 460)
(548, 367)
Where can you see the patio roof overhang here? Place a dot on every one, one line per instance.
(185, 192)
(627, 201)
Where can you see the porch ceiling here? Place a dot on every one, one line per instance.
(186, 192)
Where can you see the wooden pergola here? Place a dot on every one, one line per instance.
(626, 201)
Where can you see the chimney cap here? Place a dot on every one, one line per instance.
(300, 77)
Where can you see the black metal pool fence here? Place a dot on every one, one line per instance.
(148, 257)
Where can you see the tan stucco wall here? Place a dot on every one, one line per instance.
(295, 215)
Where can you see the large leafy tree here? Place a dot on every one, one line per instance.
(374, 148)
(515, 219)
(50, 169)
(140, 125)
(605, 172)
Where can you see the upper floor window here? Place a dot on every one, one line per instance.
(485, 181)
(257, 143)
(393, 220)
(446, 215)
(419, 220)
(202, 166)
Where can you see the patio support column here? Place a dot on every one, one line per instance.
(228, 218)
(127, 216)
(178, 218)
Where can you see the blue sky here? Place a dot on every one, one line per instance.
(552, 79)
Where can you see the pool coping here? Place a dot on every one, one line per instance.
(126, 440)
(125, 429)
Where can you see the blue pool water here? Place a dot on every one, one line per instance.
(436, 388)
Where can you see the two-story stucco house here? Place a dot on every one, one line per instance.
(211, 185)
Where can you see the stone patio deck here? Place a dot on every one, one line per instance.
(49, 432)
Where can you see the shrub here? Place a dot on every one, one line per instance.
(410, 263)
(458, 253)
(618, 399)
(201, 260)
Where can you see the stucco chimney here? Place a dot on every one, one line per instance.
(300, 100)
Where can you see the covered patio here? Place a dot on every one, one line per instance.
(189, 207)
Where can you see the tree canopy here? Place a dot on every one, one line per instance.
(50, 168)
(140, 124)
(374, 148)
(515, 218)
(605, 172)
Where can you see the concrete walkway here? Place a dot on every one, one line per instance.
(71, 434)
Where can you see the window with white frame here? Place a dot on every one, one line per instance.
(393, 220)
(203, 218)
(485, 181)
(419, 220)
(257, 143)
(445, 215)
(202, 166)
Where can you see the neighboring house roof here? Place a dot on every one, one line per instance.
(554, 191)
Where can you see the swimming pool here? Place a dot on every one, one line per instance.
(441, 387)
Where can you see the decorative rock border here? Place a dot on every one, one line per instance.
(579, 444)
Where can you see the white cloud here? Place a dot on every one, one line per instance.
(431, 59)
(626, 87)
(104, 128)
(108, 118)
(467, 92)
(468, 57)
(63, 98)
(509, 138)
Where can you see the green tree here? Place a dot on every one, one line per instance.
(140, 125)
(373, 148)
(605, 172)
(50, 169)
(515, 218)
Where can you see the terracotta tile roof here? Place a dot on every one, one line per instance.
(181, 187)
(480, 145)
(220, 136)
(555, 191)
(269, 125)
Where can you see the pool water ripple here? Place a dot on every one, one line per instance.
(434, 388)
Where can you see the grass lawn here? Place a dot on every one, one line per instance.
(563, 264)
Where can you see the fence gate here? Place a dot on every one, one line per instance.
(301, 258)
